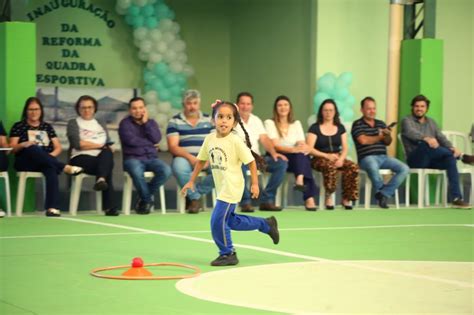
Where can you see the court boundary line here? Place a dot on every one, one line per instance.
(208, 231)
(276, 252)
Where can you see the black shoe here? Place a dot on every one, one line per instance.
(112, 212)
(145, 208)
(347, 207)
(267, 206)
(274, 234)
(226, 260)
(301, 188)
(329, 207)
(459, 203)
(311, 208)
(467, 159)
(194, 206)
(381, 200)
(101, 185)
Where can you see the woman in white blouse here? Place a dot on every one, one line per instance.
(289, 139)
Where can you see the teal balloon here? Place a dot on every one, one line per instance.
(327, 83)
(138, 21)
(169, 80)
(158, 85)
(344, 80)
(164, 95)
(181, 80)
(350, 100)
(347, 115)
(149, 77)
(319, 98)
(151, 22)
(161, 69)
(341, 93)
(176, 90)
(176, 102)
(133, 10)
(129, 19)
(148, 10)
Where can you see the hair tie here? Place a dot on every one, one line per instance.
(216, 102)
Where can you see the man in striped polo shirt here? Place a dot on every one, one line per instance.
(185, 135)
(371, 137)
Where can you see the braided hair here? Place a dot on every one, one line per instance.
(261, 164)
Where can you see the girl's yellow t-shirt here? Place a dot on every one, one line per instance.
(226, 156)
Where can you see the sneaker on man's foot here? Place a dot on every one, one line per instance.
(194, 206)
(225, 260)
(381, 200)
(459, 203)
(468, 159)
(269, 206)
(274, 234)
(101, 185)
(112, 212)
(246, 208)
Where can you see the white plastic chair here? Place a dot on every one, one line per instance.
(127, 193)
(181, 201)
(76, 187)
(423, 184)
(20, 195)
(368, 187)
(461, 141)
(6, 178)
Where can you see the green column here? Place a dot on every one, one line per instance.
(421, 72)
(17, 83)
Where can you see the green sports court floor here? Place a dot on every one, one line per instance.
(374, 261)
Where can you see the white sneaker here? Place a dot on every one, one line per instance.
(2, 213)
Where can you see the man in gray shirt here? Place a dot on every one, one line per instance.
(426, 147)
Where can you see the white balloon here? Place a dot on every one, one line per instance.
(151, 97)
(161, 119)
(155, 57)
(311, 120)
(140, 33)
(152, 110)
(143, 56)
(146, 46)
(169, 55)
(188, 70)
(137, 42)
(174, 28)
(161, 47)
(164, 107)
(150, 65)
(177, 66)
(124, 3)
(169, 37)
(156, 35)
(166, 25)
(140, 3)
(173, 112)
(178, 45)
(163, 145)
(182, 57)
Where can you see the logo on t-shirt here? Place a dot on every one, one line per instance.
(40, 137)
(218, 159)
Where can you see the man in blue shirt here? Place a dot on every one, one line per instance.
(140, 136)
(371, 137)
(185, 134)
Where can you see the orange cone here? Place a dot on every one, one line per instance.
(137, 269)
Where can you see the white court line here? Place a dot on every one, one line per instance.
(280, 253)
(69, 235)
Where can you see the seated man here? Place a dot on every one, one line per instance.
(276, 162)
(371, 137)
(140, 136)
(426, 147)
(185, 134)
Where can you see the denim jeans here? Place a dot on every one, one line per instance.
(137, 168)
(373, 163)
(440, 158)
(277, 169)
(182, 170)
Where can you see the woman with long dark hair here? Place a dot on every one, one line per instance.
(328, 141)
(36, 147)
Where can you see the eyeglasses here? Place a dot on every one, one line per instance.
(86, 107)
(34, 109)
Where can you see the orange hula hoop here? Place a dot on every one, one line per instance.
(96, 272)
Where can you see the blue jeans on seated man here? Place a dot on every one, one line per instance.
(182, 170)
(373, 163)
(277, 169)
(137, 168)
(440, 158)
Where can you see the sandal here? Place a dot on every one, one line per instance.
(73, 170)
(53, 213)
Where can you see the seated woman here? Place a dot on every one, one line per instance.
(3, 144)
(328, 141)
(288, 137)
(91, 149)
(36, 146)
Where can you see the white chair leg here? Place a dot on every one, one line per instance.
(284, 187)
(407, 191)
(180, 201)
(368, 192)
(471, 198)
(162, 199)
(438, 189)
(8, 197)
(322, 197)
(421, 190)
(76, 184)
(426, 184)
(98, 201)
(397, 200)
(20, 195)
(127, 195)
(444, 196)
